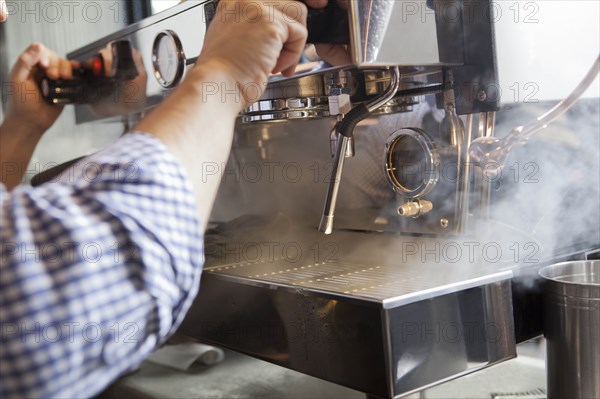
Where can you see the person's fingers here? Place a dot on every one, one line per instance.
(26, 62)
(52, 70)
(292, 10)
(292, 50)
(37, 55)
(50, 63)
(335, 54)
(294, 40)
(65, 69)
(316, 3)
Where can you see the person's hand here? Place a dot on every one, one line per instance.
(27, 116)
(249, 40)
(334, 54)
(25, 105)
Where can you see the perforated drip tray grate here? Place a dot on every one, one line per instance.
(391, 284)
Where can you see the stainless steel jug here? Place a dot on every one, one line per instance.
(572, 329)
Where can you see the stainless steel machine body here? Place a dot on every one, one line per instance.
(402, 295)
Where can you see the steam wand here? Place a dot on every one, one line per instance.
(346, 130)
(491, 152)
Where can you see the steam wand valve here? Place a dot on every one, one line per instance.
(490, 153)
(346, 131)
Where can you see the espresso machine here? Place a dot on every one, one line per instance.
(350, 239)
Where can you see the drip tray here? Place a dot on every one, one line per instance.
(384, 326)
(388, 285)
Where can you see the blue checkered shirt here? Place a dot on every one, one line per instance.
(98, 268)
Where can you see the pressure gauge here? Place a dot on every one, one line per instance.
(168, 59)
(411, 163)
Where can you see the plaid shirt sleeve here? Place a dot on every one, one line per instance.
(97, 269)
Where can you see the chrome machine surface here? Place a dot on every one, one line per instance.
(403, 292)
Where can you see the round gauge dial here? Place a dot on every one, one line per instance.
(168, 59)
(411, 163)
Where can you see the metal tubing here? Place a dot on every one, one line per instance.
(326, 225)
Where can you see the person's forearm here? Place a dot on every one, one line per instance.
(197, 126)
(17, 143)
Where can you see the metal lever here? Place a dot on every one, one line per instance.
(346, 130)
